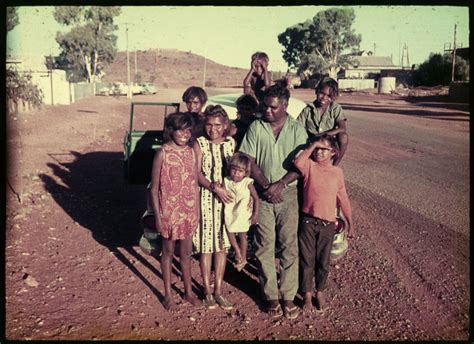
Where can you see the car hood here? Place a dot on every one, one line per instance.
(227, 101)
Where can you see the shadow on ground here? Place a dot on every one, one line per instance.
(92, 190)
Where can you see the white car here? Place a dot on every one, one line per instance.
(119, 89)
(227, 101)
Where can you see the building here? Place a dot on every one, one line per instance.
(367, 66)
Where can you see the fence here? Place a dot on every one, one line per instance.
(357, 84)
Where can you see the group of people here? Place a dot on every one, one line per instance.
(213, 179)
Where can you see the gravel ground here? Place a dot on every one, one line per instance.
(74, 269)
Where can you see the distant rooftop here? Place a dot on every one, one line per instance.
(374, 61)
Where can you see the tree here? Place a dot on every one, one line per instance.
(12, 18)
(322, 44)
(437, 70)
(91, 44)
(19, 87)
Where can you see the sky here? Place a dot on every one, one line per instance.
(230, 35)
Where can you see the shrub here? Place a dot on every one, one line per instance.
(437, 70)
(21, 88)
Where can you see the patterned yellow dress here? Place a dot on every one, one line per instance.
(211, 235)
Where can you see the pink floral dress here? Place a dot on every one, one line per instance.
(178, 193)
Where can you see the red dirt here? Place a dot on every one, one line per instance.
(74, 269)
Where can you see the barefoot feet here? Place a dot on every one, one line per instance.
(308, 304)
(192, 300)
(170, 305)
(321, 301)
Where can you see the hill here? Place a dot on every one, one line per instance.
(173, 68)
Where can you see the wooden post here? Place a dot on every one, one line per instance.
(454, 55)
(51, 77)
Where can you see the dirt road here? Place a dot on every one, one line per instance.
(74, 269)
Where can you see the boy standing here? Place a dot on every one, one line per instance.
(325, 116)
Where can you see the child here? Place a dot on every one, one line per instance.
(213, 151)
(175, 201)
(325, 116)
(195, 99)
(243, 210)
(323, 187)
(246, 108)
(257, 79)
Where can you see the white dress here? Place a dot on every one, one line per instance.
(237, 214)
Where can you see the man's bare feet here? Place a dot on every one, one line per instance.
(170, 305)
(320, 301)
(308, 304)
(192, 300)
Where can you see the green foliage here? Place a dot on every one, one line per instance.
(438, 68)
(19, 88)
(12, 18)
(318, 45)
(90, 45)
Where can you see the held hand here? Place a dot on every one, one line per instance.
(350, 231)
(224, 195)
(254, 219)
(273, 193)
(264, 64)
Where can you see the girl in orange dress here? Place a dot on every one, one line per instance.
(175, 200)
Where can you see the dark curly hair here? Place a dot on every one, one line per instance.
(246, 100)
(260, 55)
(278, 91)
(195, 91)
(177, 121)
(328, 82)
(332, 140)
(216, 110)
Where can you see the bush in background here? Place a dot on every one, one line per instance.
(20, 88)
(437, 70)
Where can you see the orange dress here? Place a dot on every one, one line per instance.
(178, 193)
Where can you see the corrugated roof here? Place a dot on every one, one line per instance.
(375, 61)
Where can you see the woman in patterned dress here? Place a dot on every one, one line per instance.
(213, 151)
(174, 197)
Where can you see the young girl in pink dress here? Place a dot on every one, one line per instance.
(175, 200)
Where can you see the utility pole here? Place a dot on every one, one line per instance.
(51, 77)
(405, 53)
(135, 78)
(204, 74)
(374, 48)
(454, 54)
(399, 54)
(128, 66)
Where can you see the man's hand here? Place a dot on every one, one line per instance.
(273, 193)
